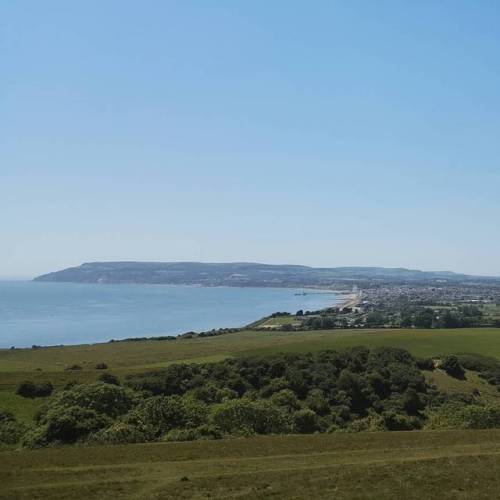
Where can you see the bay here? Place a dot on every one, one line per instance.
(37, 313)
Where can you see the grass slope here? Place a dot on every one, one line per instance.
(126, 356)
(411, 465)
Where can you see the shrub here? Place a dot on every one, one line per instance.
(452, 367)
(6, 416)
(111, 400)
(396, 422)
(181, 435)
(243, 416)
(109, 378)
(286, 399)
(370, 423)
(457, 416)
(425, 363)
(29, 389)
(412, 403)
(202, 432)
(44, 390)
(11, 430)
(305, 421)
(35, 437)
(26, 389)
(101, 366)
(119, 433)
(73, 367)
(317, 402)
(161, 414)
(70, 424)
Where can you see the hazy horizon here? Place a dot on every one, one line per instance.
(333, 134)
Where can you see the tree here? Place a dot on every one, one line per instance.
(286, 399)
(305, 421)
(67, 425)
(244, 416)
(375, 319)
(424, 319)
(317, 402)
(111, 400)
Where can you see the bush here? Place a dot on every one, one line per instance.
(73, 367)
(285, 399)
(452, 367)
(101, 366)
(119, 433)
(425, 363)
(11, 430)
(161, 414)
(181, 435)
(73, 414)
(109, 378)
(111, 400)
(456, 416)
(26, 389)
(244, 416)
(70, 424)
(371, 423)
(317, 402)
(396, 422)
(202, 432)
(29, 389)
(305, 421)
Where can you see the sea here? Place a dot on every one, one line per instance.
(38, 313)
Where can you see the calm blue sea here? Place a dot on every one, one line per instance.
(68, 313)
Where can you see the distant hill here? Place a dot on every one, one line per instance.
(240, 274)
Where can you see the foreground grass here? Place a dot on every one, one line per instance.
(390, 465)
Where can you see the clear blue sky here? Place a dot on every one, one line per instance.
(322, 133)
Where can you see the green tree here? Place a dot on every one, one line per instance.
(305, 421)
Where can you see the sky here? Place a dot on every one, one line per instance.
(324, 133)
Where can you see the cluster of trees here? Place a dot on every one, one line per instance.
(456, 317)
(324, 323)
(352, 390)
(290, 393)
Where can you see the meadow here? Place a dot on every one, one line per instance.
(395, 465)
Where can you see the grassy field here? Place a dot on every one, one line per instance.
(127, 356)
(471, 383)
(279, 321)
(411, 465)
